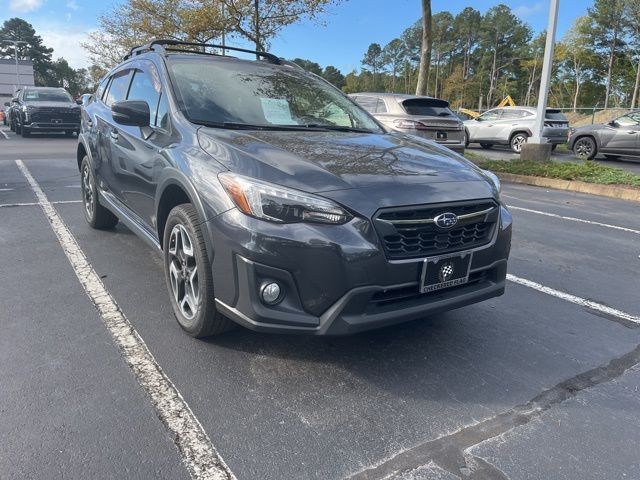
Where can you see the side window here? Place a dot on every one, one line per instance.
(381, 107)
(143, 88)
(511, 114)
(370, 104)
(490, 115)
(118, 87)
(101, 89)
(163, 113)
(628, 120)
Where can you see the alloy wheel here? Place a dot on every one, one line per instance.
(183, 272)
(583, 148)
(517, 143)
(87, 191)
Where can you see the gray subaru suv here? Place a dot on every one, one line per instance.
(278, 203)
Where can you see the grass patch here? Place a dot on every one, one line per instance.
(589, 172)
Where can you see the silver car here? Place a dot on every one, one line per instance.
(425, 117)
(619, 137)
(513, 126)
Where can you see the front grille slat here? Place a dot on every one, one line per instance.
(403, 239)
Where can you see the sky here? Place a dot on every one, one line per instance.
(340, 38)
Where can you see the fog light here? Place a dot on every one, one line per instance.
(270, 292)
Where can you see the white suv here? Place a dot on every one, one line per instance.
(513, 126)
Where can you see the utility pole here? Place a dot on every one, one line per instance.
(537, 147)
(15, 47)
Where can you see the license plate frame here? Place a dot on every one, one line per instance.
(459, 262)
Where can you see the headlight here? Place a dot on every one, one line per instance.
(494, 178)
(280, 204)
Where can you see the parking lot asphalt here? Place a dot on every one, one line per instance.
(543, 382)
(503, 152)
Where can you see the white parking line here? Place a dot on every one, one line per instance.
(31, 204)
(583, 302)
(194, 446)
(4, 134)
(574, 219)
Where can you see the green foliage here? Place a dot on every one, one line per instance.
(40, 55)
(308, 65)
(589, 172)
(332, 75)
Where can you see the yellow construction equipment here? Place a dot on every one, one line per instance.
(505, 101)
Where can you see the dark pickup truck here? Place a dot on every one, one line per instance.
(44, 109)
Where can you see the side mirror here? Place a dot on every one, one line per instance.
(7, 104)
(79, 101)
(131, 112)
(478, 119)
(613, 123)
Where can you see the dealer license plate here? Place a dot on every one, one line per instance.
(445, 271)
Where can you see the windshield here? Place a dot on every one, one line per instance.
(429, 107)
(236, 94)
(47, 96)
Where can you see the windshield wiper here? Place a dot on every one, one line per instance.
(245, 126)
(338, 128)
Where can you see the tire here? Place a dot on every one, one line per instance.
(186, 259)
(25, 132)
(12, 126)
(96, 215)
(486, 146)
(17, 129)
(517, 140)
(466, 139)
(585, 148)
(554, 146)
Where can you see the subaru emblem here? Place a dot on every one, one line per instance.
(446, 220)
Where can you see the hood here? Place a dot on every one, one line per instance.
(390, 169)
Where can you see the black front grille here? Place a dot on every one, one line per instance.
(404, 233)
(48, 114)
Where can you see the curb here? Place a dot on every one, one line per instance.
(612, 191)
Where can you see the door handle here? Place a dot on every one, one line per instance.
(114, 135)
(632, 132)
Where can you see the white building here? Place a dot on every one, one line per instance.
(9, 80)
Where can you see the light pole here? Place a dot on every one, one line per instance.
(537, 147)
(15, 47)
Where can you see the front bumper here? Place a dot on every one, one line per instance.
(52, 127)
(337, 279)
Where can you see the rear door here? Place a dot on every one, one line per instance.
(109, 167)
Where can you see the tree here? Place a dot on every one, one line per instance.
(34, 49)
(607, 22)
(375, 61)
(260, 20)
(425, 50)
(394, 54)
(575, 50)
(332, 75)
(139, 21)
(308, 65)
(441, 26)
(632, 13)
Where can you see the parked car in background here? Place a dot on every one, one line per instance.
(513, 126)
(45, 109)
(9, 110)
(424, 117)
(619, 137)
(321, 222)
(3, 117)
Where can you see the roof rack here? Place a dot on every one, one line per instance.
(159, 46)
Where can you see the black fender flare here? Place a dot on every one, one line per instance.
(174, 177)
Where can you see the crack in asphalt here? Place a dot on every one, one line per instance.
(450, 452)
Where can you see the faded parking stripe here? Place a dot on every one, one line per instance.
(574, 219)
(583, 302)
(196, 449)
